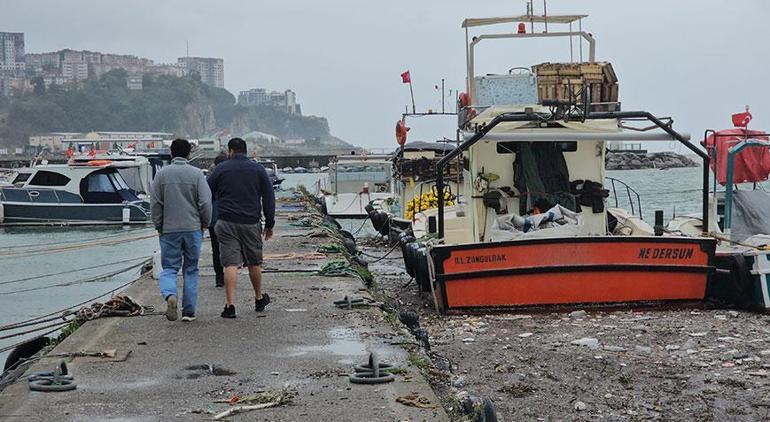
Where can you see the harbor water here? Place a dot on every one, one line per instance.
(41, 268)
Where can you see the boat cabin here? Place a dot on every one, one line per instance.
(69, 184)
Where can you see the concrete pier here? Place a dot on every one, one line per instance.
(178, 370)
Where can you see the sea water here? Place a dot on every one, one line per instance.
(673, 191)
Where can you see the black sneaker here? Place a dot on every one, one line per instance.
(220, 280)
(229, 311)
(188, 317)
(259, 304)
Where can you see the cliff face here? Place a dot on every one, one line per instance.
(241, 120)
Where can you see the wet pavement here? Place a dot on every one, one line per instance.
(301, 345)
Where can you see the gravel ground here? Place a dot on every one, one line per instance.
(669, 364)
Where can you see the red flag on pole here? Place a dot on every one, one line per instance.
(406, 77)
(742, 119)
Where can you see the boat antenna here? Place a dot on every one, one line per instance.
(545, 16)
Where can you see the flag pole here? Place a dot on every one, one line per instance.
(411, 91)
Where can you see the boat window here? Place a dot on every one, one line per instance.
(510, 147)
(49, 178)
(100, 182)
(21, 178)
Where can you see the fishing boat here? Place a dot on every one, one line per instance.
(354, 182)
(534, 228)
(414, 189)
(91, 193)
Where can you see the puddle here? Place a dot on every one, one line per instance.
(343, 342)
(205, 370)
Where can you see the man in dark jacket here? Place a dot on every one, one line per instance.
(218, 269)
(244, 193)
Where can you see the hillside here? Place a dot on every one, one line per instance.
(184, 106)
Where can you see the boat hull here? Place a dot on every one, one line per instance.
(588, 270)
(43, 213)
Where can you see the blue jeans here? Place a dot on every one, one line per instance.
(180, 250)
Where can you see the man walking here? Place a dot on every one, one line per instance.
(181, 210)
(218, 269)
(243, 192)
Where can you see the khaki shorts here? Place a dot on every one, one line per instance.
(239, 243)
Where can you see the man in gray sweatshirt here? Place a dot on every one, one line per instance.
(181, 210)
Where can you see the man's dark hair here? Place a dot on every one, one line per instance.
(180, 148)
(237, 145)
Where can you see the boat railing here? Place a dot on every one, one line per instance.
(631, 194)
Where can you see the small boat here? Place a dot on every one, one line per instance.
(94, 193)
(287, 170)
(354, 182)
(300, 170)
(272, 171)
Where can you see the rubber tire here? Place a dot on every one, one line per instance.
(409, 259)
(25, 350)
(384, 368)
(44, 385)
(422, 271)
(368, 378)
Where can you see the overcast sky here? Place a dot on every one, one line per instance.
(696, 60)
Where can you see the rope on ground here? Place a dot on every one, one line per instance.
(83, 245)
(380, 258)
(337, 269)
(76, 270)
(81, 281)
(292, 255)
(360, 228)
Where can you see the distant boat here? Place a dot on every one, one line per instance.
(287, 170)
(272, 171)
(71, 194)
(300, 170)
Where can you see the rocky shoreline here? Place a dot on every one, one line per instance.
(656, 160)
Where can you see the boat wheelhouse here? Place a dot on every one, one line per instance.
(95, 193)
(353, 182)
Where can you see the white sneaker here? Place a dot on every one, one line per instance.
(188, 318)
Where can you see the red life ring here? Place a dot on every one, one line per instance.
(99, 163)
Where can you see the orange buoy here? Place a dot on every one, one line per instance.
(401, 131)
(99, 163)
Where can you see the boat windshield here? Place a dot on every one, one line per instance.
(105, 187)
(362, 171)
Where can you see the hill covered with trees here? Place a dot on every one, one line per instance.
(184, 106)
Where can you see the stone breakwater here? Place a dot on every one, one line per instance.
(636, 161)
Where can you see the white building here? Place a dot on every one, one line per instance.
(211, 70)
